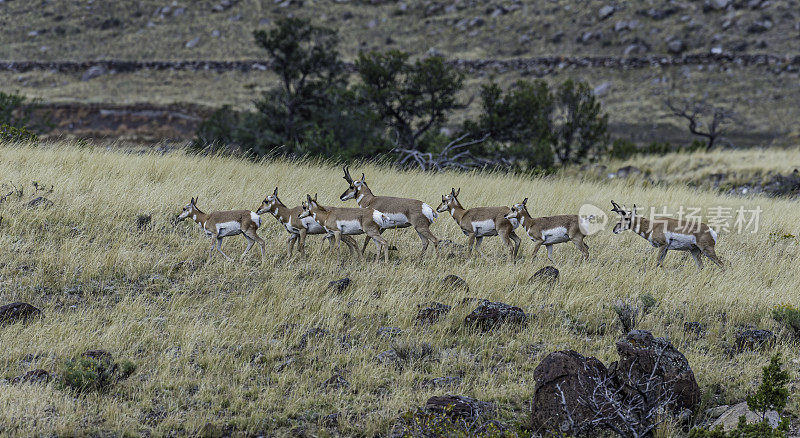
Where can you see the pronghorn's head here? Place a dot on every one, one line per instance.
(356, 186)
(625, 217)
(517, 210)
(311, 207)
(449, 201)
(189, 209)
(269, 203)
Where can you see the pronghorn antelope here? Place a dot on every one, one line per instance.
(401, 212)
(550, 230)
(480, 222)
(667, 233)
(344, 222)
(289, 218)
(219, 224)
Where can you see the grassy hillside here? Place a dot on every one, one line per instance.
(222, 343)
(161, 29)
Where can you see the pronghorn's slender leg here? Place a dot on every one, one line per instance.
(382, 243)
(301, 246)
(424, 230)
(582, 247)
(290, 243)
(478, 241)
(250, 242)
(696, 255)
(219, 248)
(366, 243)
(338, 236)
(710, 253)
(470, 242)
(536, 247)
(424, 241)
(550, 252)
(261, 244)
(508, 243)
(661, 253)
(352, 246)
(517, 242)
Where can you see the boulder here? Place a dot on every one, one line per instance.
(18, 312)
(564, 381)
(754, 339)
(647, 360)
(33, 376)
(388, 357)
(460, 406)
(339, 285)
(549, 273)
(676, 46)
(605, 12)
(624, 172)
(94, 71)
(431, 312)
(489, 315)
(730, 418)
(389, 332)
(455, 282)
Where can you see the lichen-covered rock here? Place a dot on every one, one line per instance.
(18, 312)
(489, 315)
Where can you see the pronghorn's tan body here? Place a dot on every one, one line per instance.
(550, 230)
(219, 224)
(480, 222)
(345, 222)
(289, 218)
(670, 234)
(402, 212)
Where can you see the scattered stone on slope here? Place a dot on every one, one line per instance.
(564, 379)
(389, 332)
(750, 339)
(694, 329)
(339, 285)
(455, 282)
(730, 418)
(39, 201)
(388, 357)
(626, 171)
(676, 46)
(548, 273)
(431, 312)
(605, 12)
(312, 333)
(18, 312)
(460, 406)
(94, 71)
(33, 376)
(336, 381)
(489, 315)
(439, 382)
(653, 362)
(192, 42)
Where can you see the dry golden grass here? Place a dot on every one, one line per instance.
(208, 336)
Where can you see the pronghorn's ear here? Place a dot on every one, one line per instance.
(315, 197)
(363, 178)
(525, 202)
(308, 197)
(634, 209)
(458, 191)
(194, 200)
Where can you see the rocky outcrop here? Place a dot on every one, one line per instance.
(18, 312)
(489, 315)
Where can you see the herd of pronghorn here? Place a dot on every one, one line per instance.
(375, 214)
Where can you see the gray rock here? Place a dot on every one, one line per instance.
(389, 332)
(602, 89)
(730, 418)
(432, 312)
(93, 72)
(549, 273)
(460, 406)
(754, 339)
(336, 382)
(676, 46)
(489, 315)
(340, 285)
(388, 357)
(760, 26)
(192, 42)
(18, 312)
(719, 4)
(455, 282)
(606, 11)
(34, 376)
(620, 26)
(439, 382)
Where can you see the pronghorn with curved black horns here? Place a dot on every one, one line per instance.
(289, 218)
(668, 233)
(401, 212)
(480, 222)
(550, 230)
(345, 222)
(219, 224)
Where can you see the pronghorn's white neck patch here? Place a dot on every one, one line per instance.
(360, 197)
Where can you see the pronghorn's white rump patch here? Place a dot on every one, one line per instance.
(349, 227)
(713, 234)
(230, 228)
(429, 212)
(555, 235)
(312, 226)
(255, 218)
(680, 241)
(484, 228)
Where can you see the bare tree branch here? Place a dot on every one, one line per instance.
(695, 112)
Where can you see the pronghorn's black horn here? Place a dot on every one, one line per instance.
(347, 176)
(525, 201)
(275, 192)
